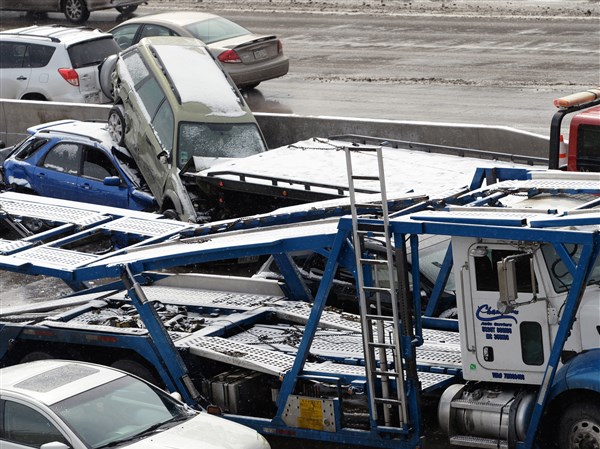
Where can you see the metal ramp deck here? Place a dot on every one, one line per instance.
(277, 363)
(68, 224)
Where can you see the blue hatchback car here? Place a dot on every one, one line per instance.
(76, 161)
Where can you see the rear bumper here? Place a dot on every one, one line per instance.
(244, 75)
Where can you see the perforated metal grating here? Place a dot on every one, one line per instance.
(144, 226)
(198, 297)
(8, 246)
(49, 212)
(57, 257)
(238, 354)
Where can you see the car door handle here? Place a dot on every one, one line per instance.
(41, 175)
(85, 186)
(21, 78)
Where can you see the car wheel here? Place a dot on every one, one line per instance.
(126, 9)
(171, 214)
(579, 426)
(76, 11)
(116, 124)
(106, 70)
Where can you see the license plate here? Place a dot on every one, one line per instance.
(260, 54)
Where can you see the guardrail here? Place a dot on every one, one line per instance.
(281, 129)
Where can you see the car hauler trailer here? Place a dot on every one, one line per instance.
(278, 360)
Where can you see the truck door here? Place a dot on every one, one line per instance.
(510, 346)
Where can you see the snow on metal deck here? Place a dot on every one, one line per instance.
(406, 170)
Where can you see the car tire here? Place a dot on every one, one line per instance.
(76, 11)
(116, 124)
(171, 214)
(579, 426)
(127, 9)
(106, 70)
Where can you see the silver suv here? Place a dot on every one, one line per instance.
(54, 63)
(76, 11)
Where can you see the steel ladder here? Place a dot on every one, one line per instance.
(381, 332)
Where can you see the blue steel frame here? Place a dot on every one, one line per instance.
(515, 230)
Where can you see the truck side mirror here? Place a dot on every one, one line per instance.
(507, 283)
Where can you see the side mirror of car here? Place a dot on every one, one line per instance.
(112, 181)
(54, 445)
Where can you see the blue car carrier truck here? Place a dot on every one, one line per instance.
(519, 368)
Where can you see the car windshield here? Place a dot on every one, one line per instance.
(561, 277)
(120, 410)
(92, 52)
(227, 140)
(217, 29)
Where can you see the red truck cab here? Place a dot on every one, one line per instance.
(584, 141)
(583, 150)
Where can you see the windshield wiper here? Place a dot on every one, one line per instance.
(144, 432)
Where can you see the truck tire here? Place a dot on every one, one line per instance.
(579, 426)
(116, 124)
(137, 369)
(76, 11)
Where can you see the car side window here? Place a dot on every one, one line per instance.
(64, 158)
(39, 55)
(155, 30)
(151, 94)
(125, 35)
(12, 55)
(97, 165)
(164, 124)
(23, 425)
(29, 148)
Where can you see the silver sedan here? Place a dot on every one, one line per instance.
(247, 57)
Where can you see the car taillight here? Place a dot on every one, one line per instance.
(70, 76)
(229, 56)
(279, 46)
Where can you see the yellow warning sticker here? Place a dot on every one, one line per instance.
(311, 414)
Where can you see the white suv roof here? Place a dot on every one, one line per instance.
(55, 33)
(54, 63)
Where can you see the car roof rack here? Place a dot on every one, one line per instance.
(69, 133)
(50, 36)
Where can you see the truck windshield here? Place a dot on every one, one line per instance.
(560, 275)
(228, 140)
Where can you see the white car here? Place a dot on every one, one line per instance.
(54, 63)
(60, 404)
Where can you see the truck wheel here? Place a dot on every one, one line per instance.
(36, 355)
(76, 11)
(116, 124)
(137, 369)
(580, 426)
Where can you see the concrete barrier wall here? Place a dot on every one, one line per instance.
(281, 129)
